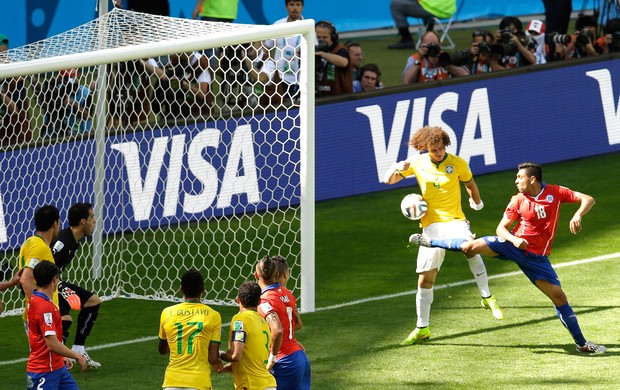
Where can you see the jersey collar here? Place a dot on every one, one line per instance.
(437, 164)
(271, 287)
(41, 295)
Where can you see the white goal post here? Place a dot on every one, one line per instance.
(185, 136)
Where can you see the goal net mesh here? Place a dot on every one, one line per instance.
(191, 158)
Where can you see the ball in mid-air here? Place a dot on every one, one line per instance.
(413, 206)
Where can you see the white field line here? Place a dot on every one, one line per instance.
(357, 302)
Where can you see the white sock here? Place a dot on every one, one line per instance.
(78, 348)
(423, 301)
(476, 265)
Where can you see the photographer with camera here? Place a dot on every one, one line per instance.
(483, 59)
(512, 44)
(333, 68)
(424, 66)
(584, 42)
(610, 41)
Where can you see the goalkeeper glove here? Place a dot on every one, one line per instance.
(70, 296)
(475, 206)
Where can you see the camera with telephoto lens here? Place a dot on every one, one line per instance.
(459, 58)
(432, 50)
(321, 46)
(562, 39)
(584, 37)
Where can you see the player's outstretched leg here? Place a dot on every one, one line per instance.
(453, 244)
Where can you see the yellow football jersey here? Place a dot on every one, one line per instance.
(440, 185)
(250, 372)
(33, 251)
(189, 328)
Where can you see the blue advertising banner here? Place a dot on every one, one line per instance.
(218, 168)
(158, 177)
(494, 124)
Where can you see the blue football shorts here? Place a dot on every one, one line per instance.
(535, 267)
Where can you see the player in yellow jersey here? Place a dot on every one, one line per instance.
(249, 343)
(439, 175)
(36, 249)
(190, 332)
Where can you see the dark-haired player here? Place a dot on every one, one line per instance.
(49, 358)
(71, 296)
(190, 332)
(536, 209)
(248, 350)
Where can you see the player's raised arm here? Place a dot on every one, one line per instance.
(395, 172)
(586, 204)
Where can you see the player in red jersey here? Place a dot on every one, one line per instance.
(278, 306)
(536, 209)
(47, 368)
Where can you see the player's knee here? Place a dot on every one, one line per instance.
(93, 301)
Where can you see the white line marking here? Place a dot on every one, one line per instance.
(357, 302)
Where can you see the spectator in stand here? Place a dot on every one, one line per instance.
(286, 54)
(333, 65)
(511, 38)
(536, 31)
(356, 56)
(14, 124)
(368, 80)
(423, 9)
(610, 41)
(584, 40)
(483, 59)
(423, 66)
(264, 86)
(184, 89)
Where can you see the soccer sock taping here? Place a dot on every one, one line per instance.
(569, 320)
(452, 244)
(65, 330)
(86, 321)
(476, 265)
(423, 299)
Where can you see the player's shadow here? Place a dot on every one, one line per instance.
(538, 348)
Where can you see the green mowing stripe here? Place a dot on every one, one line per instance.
(356, 302)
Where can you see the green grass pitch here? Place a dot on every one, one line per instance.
(361, 260)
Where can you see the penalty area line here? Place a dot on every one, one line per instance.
(356, 302)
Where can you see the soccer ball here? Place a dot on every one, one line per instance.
(413, 206)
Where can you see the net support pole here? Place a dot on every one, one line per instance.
(307, 169)
(99, 168)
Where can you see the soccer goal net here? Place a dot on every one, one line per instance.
(193, 140)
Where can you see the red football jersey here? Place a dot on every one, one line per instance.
(279, 300)
(43, 320)
(537, 217)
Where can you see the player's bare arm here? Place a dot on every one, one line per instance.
(214, 357)
(59, 348)
(586, 204)
(275, 326)
(27, 281)
(503, 231)
(475, 201)
(393, 174)
(163, 347)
